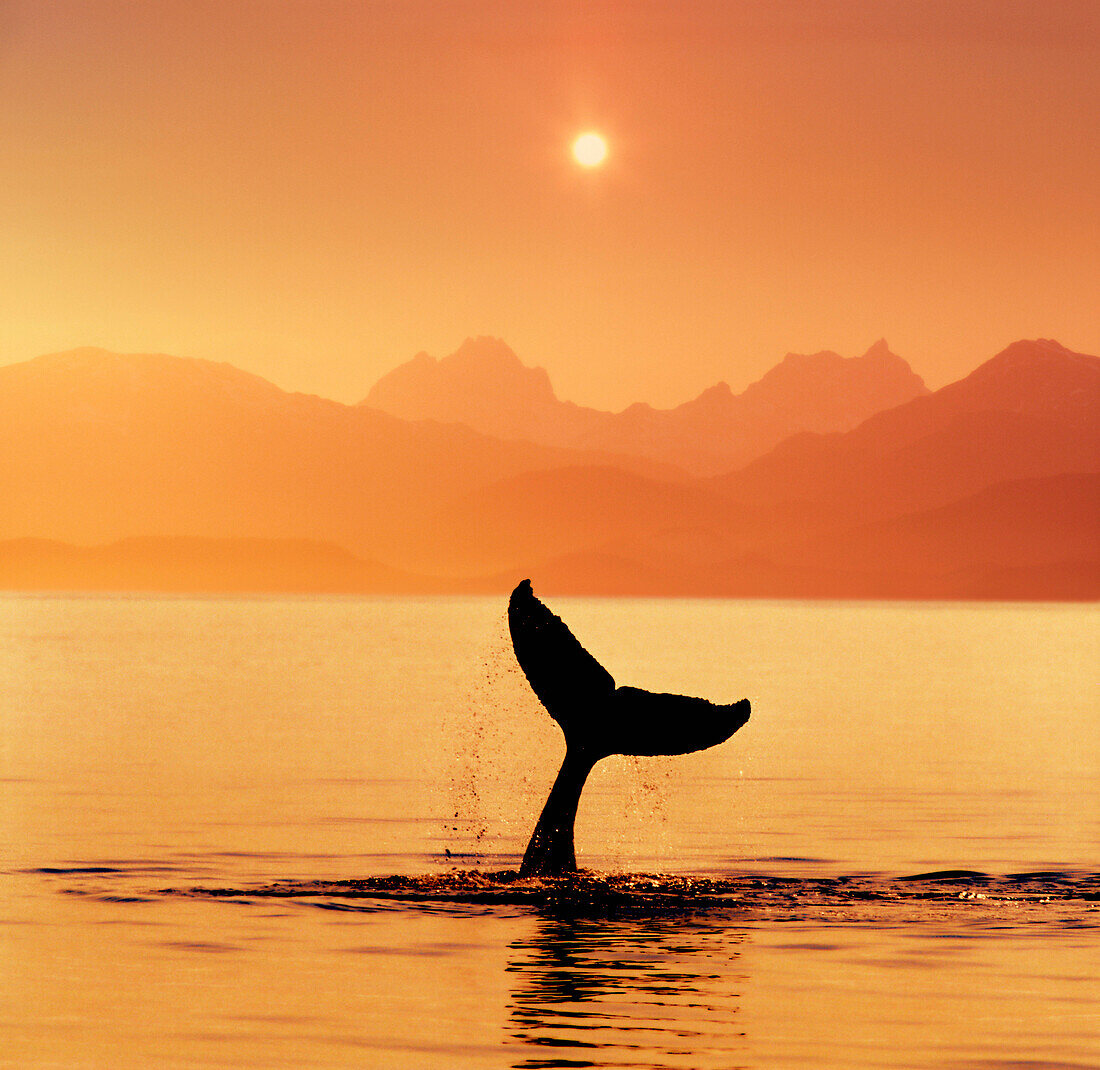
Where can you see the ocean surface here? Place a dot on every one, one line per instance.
(290, 753)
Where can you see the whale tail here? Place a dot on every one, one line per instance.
(597, 719)
(580, 694)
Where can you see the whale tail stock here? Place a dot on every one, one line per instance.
(598, 719)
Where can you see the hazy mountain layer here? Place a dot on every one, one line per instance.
(98, 446)
(1038, 538)
(484, 385)
(196, 564)
(1033, 410)
(197, 476)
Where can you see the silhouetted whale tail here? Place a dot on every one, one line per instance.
(598, 719)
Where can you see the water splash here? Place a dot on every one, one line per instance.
(480, 782)
(1059, 897)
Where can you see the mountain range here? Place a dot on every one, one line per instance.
(829, 477)
(483, 385)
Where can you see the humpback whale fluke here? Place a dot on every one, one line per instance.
(598, 719)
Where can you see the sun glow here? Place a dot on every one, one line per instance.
(590, 150)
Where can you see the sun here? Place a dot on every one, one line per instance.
(590, 150)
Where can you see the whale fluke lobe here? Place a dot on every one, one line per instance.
(568, 681)
(598, 719)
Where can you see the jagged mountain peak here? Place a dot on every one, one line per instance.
(801, 360)
(482, 377)
(1037, 361)
(879, 377)
(720, 391)
(881, 349)
(484, 349)
(1038, 376)
(485, 385)
(1033, 351)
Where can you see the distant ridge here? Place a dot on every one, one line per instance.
(151, 472)
(1032, 410)
(98, 446)
(198, 565)
(992, 476)
(1050, 552)
(484, 385)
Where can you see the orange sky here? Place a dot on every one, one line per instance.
(316, 191)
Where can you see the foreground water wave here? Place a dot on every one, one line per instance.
(965, 896)
(481, 970)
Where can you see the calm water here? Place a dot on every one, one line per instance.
(168, 743)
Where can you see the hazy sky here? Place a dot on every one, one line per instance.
(316, 191)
